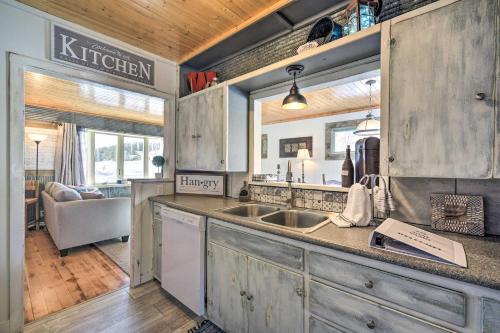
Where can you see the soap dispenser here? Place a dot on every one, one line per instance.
(244, 193)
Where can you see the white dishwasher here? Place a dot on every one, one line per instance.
(183, 257)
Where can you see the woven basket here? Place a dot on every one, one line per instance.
(458, 213)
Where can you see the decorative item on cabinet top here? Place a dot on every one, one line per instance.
(458, 213)
(361, 14)
(200, 80)
(323, 31)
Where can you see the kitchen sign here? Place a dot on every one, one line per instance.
(207, 184)
(71, 47)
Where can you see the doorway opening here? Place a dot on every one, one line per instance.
(83, 141)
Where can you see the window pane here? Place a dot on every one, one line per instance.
(342, 137)
(155, 147)
(106, 149)
(133, 157)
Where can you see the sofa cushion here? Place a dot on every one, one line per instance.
(92, 195)
(61, 193)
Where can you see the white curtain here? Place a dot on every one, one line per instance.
(69, 160)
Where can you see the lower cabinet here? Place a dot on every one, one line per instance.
(157, 248)
(490, 315)
(246, 294)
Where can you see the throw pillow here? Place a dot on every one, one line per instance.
(66, 194)
(92, 195)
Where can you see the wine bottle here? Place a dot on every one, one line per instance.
(347, 169)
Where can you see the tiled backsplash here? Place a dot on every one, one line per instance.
(329, 201)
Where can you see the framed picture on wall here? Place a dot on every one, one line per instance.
(290, 147)
(263, 146)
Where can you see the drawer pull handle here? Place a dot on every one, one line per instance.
(242, 293)
(369, 284)
(370, 324)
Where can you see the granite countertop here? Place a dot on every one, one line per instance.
(483, 253)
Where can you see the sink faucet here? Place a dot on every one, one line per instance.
(289, 179)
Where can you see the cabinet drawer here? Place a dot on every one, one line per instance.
(360, 315)
(444, 304)
(490, 315)
(318, 326)
(280, 253)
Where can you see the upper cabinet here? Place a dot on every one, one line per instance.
(212, 130)
(441, 82)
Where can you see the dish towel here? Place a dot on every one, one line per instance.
(358, 211)
(383, 200)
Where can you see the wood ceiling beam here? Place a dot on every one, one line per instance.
(262, 14)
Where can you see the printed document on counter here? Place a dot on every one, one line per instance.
(396, 236)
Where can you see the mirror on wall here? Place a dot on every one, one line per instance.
(315, 139)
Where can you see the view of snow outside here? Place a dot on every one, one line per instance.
(106, 151)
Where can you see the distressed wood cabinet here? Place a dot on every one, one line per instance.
(212, 130)
(157, 240)
(226, 282)
(442, 72)
(246, 294)
(490, 315)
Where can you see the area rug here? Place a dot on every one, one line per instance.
(118, 251)
(206, 327)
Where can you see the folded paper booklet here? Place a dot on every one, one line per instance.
(396, 236)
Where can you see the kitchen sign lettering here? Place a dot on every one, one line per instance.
(208, 184)
(72, 47)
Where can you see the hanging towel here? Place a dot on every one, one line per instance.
(383, 200)
(358, 210)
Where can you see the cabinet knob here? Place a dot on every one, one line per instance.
(391, 159)
(369, 284)
(221, 161)
(193, 136)
(249, 297)
(198, 136)
(480, 96)
(370, 324)
(242, 293)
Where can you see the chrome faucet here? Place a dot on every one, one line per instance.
(289, 179)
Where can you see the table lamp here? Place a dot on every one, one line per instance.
(303, 154)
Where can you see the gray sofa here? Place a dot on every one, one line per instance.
(80, 222)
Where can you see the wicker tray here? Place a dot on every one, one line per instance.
(458, 213)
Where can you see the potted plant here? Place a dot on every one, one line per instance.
(159, 161)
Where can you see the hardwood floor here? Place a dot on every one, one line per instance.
(52, 283)
(146, 308)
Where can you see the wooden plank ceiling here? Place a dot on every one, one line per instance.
(175, 29)
(346, 98)
(93, 99)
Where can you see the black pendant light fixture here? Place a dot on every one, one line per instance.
(294, 100)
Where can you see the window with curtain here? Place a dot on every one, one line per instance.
(112, 157)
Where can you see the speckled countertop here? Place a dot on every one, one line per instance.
(483, 253)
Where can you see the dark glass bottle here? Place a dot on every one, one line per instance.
(347, 169)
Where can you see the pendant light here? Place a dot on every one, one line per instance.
(370, 126)
(294, 100)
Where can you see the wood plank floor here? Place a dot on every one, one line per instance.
(52, 283)
(146, 308)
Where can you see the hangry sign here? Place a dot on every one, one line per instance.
(207, 184)
(75, 48)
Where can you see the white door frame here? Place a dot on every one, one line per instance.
(18, 65)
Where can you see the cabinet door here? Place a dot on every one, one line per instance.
(490, 315)
(226, 279)
(157, 239)
(186, 133)
(210, 131)
(439, 62)
(275, 301)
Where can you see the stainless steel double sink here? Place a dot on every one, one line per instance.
(292, 219)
